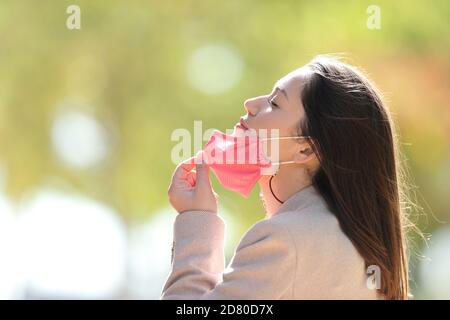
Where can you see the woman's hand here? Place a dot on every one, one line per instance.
(191, 189)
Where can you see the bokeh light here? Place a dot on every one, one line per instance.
(435, 267)
(72, 247)
(10, 276)
(78, 139)
(214, 69)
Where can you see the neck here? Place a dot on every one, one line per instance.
(288, 181)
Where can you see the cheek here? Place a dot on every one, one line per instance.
(277, 152)
(270, 120)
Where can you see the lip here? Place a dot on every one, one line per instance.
(243, 124)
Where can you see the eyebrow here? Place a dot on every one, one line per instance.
(282, 91)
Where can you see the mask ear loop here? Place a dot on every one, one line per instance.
(281, 162)
(288, 137)
(283, 138)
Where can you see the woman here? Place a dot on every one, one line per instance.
(334, 227)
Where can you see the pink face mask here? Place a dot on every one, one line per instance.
(239, 161)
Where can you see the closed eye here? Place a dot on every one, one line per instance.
(272, 103)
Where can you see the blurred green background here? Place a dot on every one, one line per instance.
(88, 114)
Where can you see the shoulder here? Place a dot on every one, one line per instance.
(309, 221)
(314, 229)
(289, 225)
(267, 232)
(317, 234)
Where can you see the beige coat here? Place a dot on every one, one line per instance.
(300, 252)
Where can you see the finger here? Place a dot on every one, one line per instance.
(190, 178)
(202, 170)
(202, 174)
(183, 169)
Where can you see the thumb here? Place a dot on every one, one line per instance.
(202, 170)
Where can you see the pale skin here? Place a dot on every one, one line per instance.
(282, 109)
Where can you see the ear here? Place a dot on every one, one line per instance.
(304, 154)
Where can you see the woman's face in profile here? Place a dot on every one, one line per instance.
(282, 109)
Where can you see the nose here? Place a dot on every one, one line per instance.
(251, 105)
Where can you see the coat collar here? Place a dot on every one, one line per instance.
(306, 197)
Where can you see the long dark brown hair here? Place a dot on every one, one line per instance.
(360, 176)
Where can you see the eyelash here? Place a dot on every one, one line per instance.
(273, 103)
